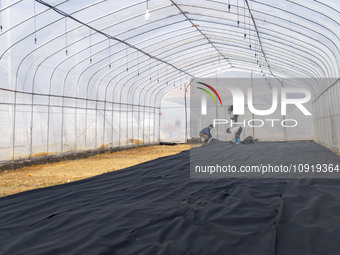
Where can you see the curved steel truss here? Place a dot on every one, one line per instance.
(100, 55)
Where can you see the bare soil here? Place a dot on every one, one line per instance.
(39, 176)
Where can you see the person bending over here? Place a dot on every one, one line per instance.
(236, 132)
(205, 133)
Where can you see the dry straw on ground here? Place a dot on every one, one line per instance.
(39, 176)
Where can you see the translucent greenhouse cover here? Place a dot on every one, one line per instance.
(78, 75)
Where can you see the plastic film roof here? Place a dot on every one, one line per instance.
(106, 50)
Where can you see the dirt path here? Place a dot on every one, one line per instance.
(33, 177)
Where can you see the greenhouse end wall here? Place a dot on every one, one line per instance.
(326, 108)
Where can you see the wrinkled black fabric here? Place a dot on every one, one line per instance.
(155, 208)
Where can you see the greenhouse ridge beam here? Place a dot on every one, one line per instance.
(300, 42)
(200, 32)
(260, 42)
(271, 35)
(111, 37)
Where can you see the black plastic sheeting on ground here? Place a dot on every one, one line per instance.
(167, 143)
(291, 156)
(155, 208)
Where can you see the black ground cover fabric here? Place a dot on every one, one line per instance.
(155, 208)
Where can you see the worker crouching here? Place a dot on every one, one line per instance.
(205, 133)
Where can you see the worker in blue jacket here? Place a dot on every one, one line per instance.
(205, 133)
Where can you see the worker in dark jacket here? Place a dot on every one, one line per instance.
(205, 133)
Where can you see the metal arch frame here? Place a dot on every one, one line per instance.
(59, 64)
(251, 67)
(151, 81)
(245, 64)
(300, 50)
(117, 83)
(85, 36)
(136, 89)
(242, 63)
(324, 27)
(145, 95)
(26, 20)
(63, 105)
(201, 57)
(141, 66)
(315, 10)
(245, 48)
(166, 92)
(331, 7)
(163, 34)
(271, 35)
(296, 23)
(186, 16)
(207, 74)
(213, 72)
(181, 60)
(105, 65)
(291, 46)
(294, 14)
(123, 71)
(104, 34)
(166, 50)
(87, 48)
(250, 61)
(228, 49)
(279, 70)
(153, 29)
(140, 83)
(132, 66)
(87, 98)
(36, 70)
(309, 20)
(47, 25)
(133, 94)
(139, 104)
(153, 91)
(14, 110)
(9, 6)
(281, 60)
(319, 43)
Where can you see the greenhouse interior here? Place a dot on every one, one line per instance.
(83, 78)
